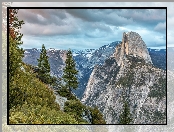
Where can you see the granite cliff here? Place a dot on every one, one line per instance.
(130, 75)
(86, 60)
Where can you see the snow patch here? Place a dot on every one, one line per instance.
(88, 55)
(75, 54)
(26, 51)
(157, 49)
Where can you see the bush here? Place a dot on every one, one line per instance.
(27, 88)
(158, 90)
(37, 114)
(75, 108)
(97, 117)
(64, 92)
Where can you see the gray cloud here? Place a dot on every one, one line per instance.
(43, 16)
(161, 27)
(105, 16)
(83, 27)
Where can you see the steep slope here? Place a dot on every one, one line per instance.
(170, 54)
(33, 102)
(86, 60)
(128, 75)
(158, 57)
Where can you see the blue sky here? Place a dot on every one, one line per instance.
(90, 28)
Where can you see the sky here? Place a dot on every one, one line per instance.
(90, 28)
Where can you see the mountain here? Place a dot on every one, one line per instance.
(56, 59)
(170, 54)
(132, 44)
(86, 60)
(128, 76)
(158, 57)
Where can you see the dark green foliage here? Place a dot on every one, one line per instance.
(27, 88)
(110, 61)
(70, 72)
(55, 82)
(63, 91)
(158, 116)
(30, 100)
(33, 102)
(158, 90)
(44, 67)
(75, 108)
(125, 117)
(15, 53)
(15, 58)
(127, 80)
(135, 61)
(97, 117)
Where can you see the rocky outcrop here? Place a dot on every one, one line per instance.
(132, 44)
(128, 75)
(61, 101)
(86, 60)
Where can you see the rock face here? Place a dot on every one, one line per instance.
(86, 60)
(132, 44)
(56, 59)
(128, 75)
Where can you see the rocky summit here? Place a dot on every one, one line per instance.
(128, 76)
(132, 44)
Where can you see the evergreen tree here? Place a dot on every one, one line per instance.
(70, 72)
(44, 66)
(97, 117)
(15, 56)
(125, 117)
(15, 52)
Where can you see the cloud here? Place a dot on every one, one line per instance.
(43, 16)
(161, 27)
(82, 27)
(106, 16)
(49, 30)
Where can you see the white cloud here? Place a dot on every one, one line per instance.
(106, 25)
(160, 27)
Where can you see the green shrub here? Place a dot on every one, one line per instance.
(64, 92)
(37, 114)
(97, 117)
(158, 90)
(75, 108)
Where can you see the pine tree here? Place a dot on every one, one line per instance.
(15, 57)
(44, 66)
(97, 117)
(15, 52)
(70, 72)
(125, 117)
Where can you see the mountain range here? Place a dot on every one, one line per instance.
(86, 60)
(122, 71)
(130, 76)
